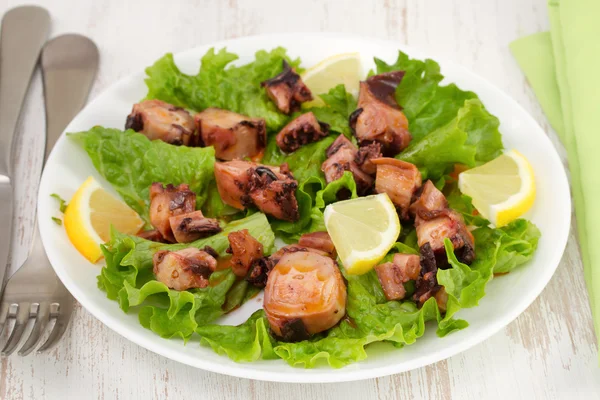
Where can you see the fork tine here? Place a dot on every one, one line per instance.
(38, 329)
(62, 322)
(22, 318)
(4, 308)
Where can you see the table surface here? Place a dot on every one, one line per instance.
(547, 353)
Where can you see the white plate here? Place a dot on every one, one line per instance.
(507, 297)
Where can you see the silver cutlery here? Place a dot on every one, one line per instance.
(69, 65)
(23, 33)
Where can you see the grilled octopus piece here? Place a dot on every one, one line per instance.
(193, 226)
(435, 222)
(342, 156)
(293, 248)
(318, 241)
(152, 235)
(300, 131)
(159, 120)
(287, 90)
(232, 182)
(434, 228)
(393, 275)
(245, 250)
(259, 271)
(169, 201)
(428, 199)
(233, 135)
(271, 189)
(305, 294)
(274, 195)
(184, 269)
(426, 285)
(378, 117)
(365, 156)
(399, 179)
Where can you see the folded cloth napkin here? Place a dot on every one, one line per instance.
(563, 68)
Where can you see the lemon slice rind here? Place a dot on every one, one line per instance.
(511, 207)
(78, 219)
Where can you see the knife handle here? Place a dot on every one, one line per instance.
(23, 33)
(69, 64)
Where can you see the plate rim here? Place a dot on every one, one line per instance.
(329, 377)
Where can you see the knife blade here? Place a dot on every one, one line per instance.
(22, 35)
(69, 65)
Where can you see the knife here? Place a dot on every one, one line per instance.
(22, 35)
(69, 65)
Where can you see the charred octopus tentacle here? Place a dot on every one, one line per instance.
(399, 179)
(342, 156)
(159, 120)
(193, 226)
(378, 117)
(393, 275)
(287, 90)
(233, 136)
(301, 131)
(184, 269)
(271, 189)
(245, 250)
(434, 223)
(169, 201)
(265, 171)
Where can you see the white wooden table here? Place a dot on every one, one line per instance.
(547, 353)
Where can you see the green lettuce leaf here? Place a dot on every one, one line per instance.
(448, 125)
(497, 250)
(339, 104)
(471, 138)
(128, 278)
(312, 198)
(214, 207)
(418, 86)
(514, 244)
(305, 162)
(329, 195)
(220, 84)
(339, 100)
(288, 231)
(247, 342)
(426, 103)
(131, 163)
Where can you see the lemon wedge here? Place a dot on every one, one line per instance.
(89, 215)
(343, 69)
(363, 230)
(503, 189)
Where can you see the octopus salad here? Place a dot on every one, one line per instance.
(231, 170)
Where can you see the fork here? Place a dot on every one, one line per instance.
(69, 64)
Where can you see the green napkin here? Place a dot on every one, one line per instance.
(563, 68)
(541, 73)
